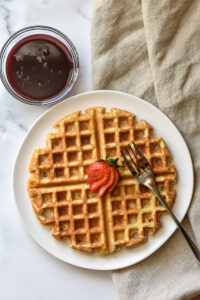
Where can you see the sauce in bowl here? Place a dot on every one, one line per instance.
(39, 67)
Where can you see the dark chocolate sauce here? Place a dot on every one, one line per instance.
(38, 67)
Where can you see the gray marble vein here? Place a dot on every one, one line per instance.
(6, 15)
(82, 11)
(11, 117)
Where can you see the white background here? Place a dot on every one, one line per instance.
(26, 271)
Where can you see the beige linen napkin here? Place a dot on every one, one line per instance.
(151, 49)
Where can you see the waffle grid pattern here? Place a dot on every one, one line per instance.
(118, 128)
(74, 213)
(68, 153)
(124, 217)
(133, 212)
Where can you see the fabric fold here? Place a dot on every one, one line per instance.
(151, 49)
(119, 52)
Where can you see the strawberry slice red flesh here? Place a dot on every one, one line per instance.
(103, 188)
(103, 175)
(97, 171)
(110, 189)
(96, 185)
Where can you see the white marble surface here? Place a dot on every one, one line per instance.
(26, 271)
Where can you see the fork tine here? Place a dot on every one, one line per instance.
(138, 161)
(132, 159)
(128, 164)
(141, 155)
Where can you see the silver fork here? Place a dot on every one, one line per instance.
(141, 170)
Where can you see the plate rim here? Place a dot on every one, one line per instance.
(71, 99)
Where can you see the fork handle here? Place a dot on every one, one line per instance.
(188, 239)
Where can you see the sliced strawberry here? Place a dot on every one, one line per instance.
(110, 189)
(97, 171)
(103, 189)
(103, 175)
(96, 185)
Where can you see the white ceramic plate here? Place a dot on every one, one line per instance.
(36, 138)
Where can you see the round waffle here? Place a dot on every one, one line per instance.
(62, 200)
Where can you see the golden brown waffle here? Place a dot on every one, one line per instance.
(74, 213)
(61, 198)
(68, 153)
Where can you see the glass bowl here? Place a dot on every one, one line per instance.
(46, 31)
